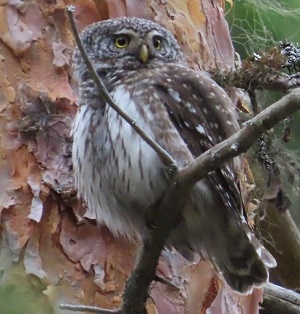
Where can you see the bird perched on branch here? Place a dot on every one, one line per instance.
(122, 178)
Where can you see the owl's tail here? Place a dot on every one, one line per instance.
(227, 241)
(245, 263)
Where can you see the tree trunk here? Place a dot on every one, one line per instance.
(50, 252)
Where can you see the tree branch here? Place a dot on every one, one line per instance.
(253, 79)
(280, 300)
(84, 308)
(263, 71)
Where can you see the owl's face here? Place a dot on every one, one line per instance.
(130, 43)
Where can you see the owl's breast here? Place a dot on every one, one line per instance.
(118, 174)
(140, 174)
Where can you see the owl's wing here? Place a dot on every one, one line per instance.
(204, 116)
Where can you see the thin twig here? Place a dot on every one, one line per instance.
(164, 156)
(84, 308)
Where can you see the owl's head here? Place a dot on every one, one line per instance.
(129, 43)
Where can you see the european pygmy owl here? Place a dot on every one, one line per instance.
(122, 178)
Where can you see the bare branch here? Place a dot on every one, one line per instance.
(280, 300)
(257, 80)
(281, 293)
(264, 71)
(84, 308)
(164, 156)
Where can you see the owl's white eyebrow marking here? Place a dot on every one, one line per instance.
(127, 31)
(154, 33)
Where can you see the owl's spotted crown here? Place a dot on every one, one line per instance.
(138, 25)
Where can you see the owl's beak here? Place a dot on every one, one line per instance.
(144, 53)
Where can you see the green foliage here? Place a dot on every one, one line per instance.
(256, 25)
(21, 294)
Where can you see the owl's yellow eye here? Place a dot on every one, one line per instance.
(121, 41)
(157, 42)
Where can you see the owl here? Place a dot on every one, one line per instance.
(122, 178)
